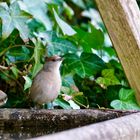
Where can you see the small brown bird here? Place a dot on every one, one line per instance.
(3, 98)
(47, 83)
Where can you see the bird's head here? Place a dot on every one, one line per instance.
(53, 62)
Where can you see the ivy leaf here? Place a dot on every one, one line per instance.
(126, 94)
(56, 45)
(88, 40)
(59, 46)
(39, 52)
(108, 78)
(115, 64)
(28, 82)
(15, 71)
(66, 29)
(110, 51)
(68, 11)
(7, 24)
(13, 18)
(112, 92)
(80, 99)
(79, 3)
(38, 9)
(126, 100)
(36, 68)
(20, 53)
(61, 102)
(87, 64)
(122, 105)
(117, 104)
(73, 105)
(98, 36)
(67, 80)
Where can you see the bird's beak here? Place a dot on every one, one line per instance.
(60, 59)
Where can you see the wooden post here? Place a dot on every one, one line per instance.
(122, 20)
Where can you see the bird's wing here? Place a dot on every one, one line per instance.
(35, 89)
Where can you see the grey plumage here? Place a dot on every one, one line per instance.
(47, 83)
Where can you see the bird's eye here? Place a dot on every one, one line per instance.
(53, 60)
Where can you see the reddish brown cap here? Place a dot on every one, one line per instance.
(53, 58)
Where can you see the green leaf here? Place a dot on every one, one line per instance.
(108, 78)
(65, 90)
(15, 71)
(66, 29)
(39, 53)
(61, 46)
(39, 50)
(73, 105)
(62, 103)
(7, 23)
(122, 105)
(112, 92)
(20, 53)
(126, 100)
(117, 104)
(88, 40)
(57, 45)
(4, 76)
(87, 64)
(126, 94)
(98, 36)
(110, 51)
(14, 18)
(67, 80)
(79, 3)
(28, 82)
(114, 64)
(80, 99)
(36, 68)
(38, 9)
(68, 10)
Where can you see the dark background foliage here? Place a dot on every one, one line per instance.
(91, 72)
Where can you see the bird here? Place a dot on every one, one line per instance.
(47, 83)
(3, 98)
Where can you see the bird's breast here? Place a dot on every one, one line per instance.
(46, 87)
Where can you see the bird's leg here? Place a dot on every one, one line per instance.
(43, 106)
(50, 105)
(36, 107)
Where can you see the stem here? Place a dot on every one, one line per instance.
(3, 67)
(10, 47)
(18, 83)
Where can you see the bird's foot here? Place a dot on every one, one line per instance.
(50, 105)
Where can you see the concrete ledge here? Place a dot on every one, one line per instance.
(59, 118)
(26, 123)
(123, 128)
